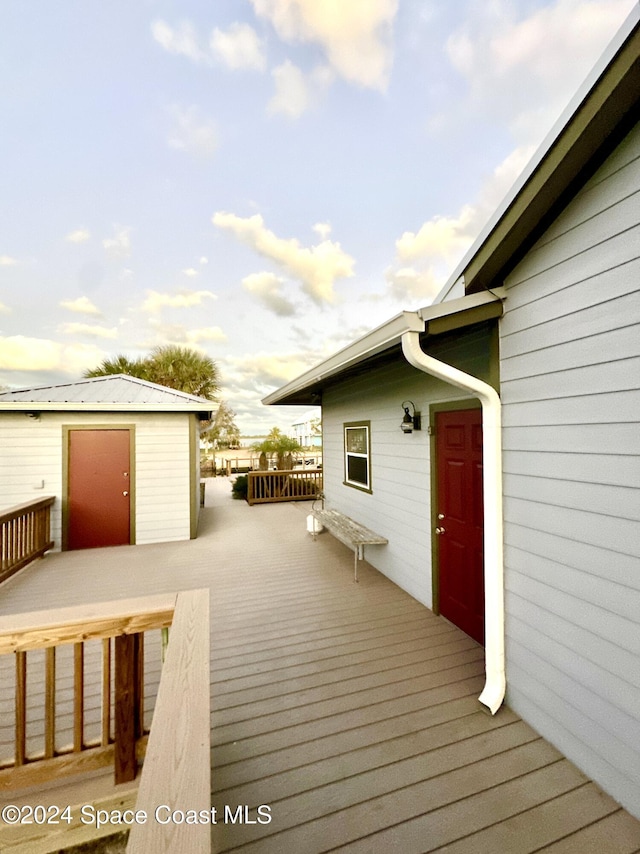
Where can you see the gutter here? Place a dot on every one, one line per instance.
(495, 684)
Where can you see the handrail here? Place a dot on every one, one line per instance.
(25, 534)
(176, 775)
(124, 621)
(291, 485)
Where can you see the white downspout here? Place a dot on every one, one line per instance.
(495, 684)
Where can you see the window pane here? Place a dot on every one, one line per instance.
(357, 470)
(356, 440)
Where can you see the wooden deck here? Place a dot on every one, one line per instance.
(348, 710)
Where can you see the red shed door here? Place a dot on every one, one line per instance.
(460, 519)
(98, 493)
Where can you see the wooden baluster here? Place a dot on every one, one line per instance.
(21, 707)
(50, 703)
(78, 696)
(139, 725)
(106, 691)
(127, 706)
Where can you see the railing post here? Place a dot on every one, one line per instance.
(127, 706)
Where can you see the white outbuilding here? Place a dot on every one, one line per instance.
(119, 454)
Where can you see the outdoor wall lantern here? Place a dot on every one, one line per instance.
(410, 422)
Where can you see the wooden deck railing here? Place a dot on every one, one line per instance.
(48, 696)
(25, 534)
(295, 485)
(177, 766)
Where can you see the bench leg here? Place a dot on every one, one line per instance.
(359, 555)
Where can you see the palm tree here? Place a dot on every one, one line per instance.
(120, 364)
(184, 369)
(282, 447)
(175, 367)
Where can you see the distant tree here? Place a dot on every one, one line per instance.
(175, 367)
(224, 431)
(279, 447)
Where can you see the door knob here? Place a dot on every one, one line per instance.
(125, 492)
(440, 515)
(439, 530)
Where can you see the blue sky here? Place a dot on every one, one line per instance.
(264, 180)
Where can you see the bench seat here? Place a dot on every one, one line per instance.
(349, 532)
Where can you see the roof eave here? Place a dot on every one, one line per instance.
(71, 406)
(378, 341)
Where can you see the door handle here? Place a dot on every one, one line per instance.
(125, 492)
(440, 531)
(440, 515)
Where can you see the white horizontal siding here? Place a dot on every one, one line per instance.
(570, 385)
(162, 478)
(30, 464)
(577, 495)
(615, 440)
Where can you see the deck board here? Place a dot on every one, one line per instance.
(349, 709)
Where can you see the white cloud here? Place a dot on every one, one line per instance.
(441, 242)
(80, 235)
(118, 246)
(81, 305)
(446, 237)
(89, 330)
(4, 309)
(177, 333)
(356, 36)
(181, 40)
(293, 94)
(20, 353)
(239, 47)
(204, 261)
(7, 261)
(323, 229)
(316, 267)
(525, 71)
(193, 132)
(407, 283)
(156, 301)
(268, 289)
(191, 272)
(265, 370)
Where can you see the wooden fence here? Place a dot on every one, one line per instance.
(293, 485)
(116, 629)
(25, 534)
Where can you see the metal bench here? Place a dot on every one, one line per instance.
(349, 532)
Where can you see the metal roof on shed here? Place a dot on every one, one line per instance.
(114, 392)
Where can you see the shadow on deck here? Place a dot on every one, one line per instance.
(344, 716)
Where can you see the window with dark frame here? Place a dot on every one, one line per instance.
(357, 453)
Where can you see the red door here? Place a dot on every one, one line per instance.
(460, 519)
(98, 495)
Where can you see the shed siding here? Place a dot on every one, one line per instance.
(398, 507)
(570, 385)
(31, 453)
(163, 498)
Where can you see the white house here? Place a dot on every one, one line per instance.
(306, 429)
(513, 506)
(120, 455)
